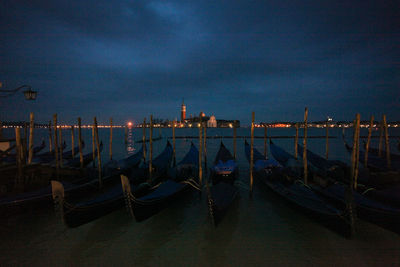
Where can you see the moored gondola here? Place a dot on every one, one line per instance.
(222, 192)
(383, 213)
(110, 198)
(160, 196)
(287, 183)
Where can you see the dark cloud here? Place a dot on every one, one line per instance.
(128, 59)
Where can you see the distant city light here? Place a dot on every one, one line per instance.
(130, 124)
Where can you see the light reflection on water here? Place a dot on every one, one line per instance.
(262, 230)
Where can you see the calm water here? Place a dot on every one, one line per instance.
(259, 231)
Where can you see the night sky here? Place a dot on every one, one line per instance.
(130, 59)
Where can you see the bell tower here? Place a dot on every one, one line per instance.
(183, 111)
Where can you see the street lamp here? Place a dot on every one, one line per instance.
(29, 93)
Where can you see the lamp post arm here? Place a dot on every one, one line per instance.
(13, 91)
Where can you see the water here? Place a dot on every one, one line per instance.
(260, 231)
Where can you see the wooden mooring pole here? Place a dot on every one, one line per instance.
(31, 126)
(98, 152)
(327, 140)
(126, 135)
(50, 138)
(173, 143)
(151, 148)
(265, 141)
(305, 166)
(144, 140)
(111, 137)
(234, 140)
(355, 152)
(371, 124)
(296, 140)
(56, 143)
(380, 138)
(25, 143)
(80, 142)
(200, 154)
(205, 146)
(93, 147)
(387, 147)
(61, 146)
(18, 143)
(252, 152)
(72, 141)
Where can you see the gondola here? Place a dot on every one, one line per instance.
(10, 158)
(375, 152)
(76, 213)
(86, 179)
(287, 183)
(375, 164)
(368, 209)
(161, 195)
(87, 158)
(47, 157)
(222, 192)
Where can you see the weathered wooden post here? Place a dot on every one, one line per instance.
(56, 143)
(296, 140)
(371, 124)
(305, 166)
(205, 146)
(389, 164)
(234, 140)
(265, 141)
(50, 138)
(93, 147)
(80, 142)
(252, 151)
(98, 152)
(61, 146)
(144, 140)
(31, 126)
(327, 140)
(200, 155)
(173, 142)
(25, 144)
(72, 141)
(355, 152)
(380, 138)
(18, 149)
(111, 137)
(151, 148)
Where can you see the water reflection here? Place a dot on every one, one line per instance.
(130, 148)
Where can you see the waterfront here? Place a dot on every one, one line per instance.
(262, 230)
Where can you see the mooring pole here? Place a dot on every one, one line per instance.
(144, 140)
(355, 152)
(371, 124)
(389, 163)
(151, 148)
(50, 138)
(327, 140)
(205, 146)
(72, 141)
(126, 134)
(31, 126)
(61, 146)
(98, 152)
(56, 143)
(200, 155)
(252, 152)
(173, 142)
(19, 183)
(234, 140)
(93, 147)
(296, 140)
(265, 141)
(25, 143)
(305, 166)
(111, 137)
(380, 138)
(80, 142)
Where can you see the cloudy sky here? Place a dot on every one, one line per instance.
(129, 59)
